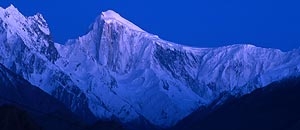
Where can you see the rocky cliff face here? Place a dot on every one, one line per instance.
(26, 48)
(119, 70)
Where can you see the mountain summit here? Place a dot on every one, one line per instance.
(118, 71)
(112, 16)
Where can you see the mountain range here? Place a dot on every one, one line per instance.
(118, 71)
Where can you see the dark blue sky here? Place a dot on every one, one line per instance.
(200, 23)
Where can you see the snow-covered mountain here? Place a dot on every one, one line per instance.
(119, 70)
(26, 49)
(17, 94)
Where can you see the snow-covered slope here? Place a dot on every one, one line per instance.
(26, 48)
(119, 70)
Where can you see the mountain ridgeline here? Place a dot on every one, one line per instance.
(274, 107)
(117, 71)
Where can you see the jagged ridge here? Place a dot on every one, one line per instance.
(119, 70)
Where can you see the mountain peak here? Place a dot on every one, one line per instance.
(12, 9)
(111, 16)
(42, 24)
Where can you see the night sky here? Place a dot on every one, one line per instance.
(199, 23)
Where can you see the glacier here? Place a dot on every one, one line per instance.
(117, 70)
